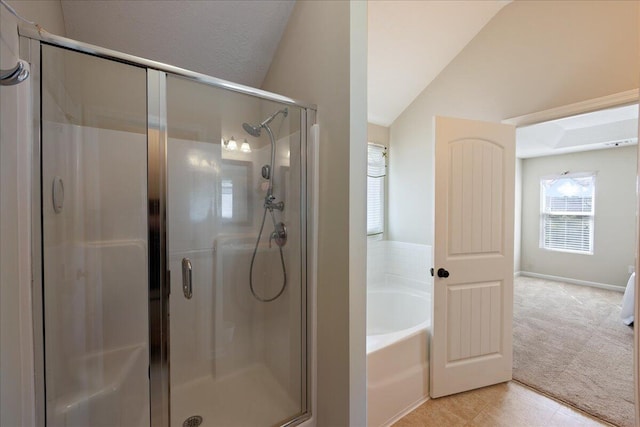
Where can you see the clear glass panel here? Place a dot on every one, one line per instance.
(235, 360)
(94, 213)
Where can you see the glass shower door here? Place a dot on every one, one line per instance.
(236, 359)
(94, 239)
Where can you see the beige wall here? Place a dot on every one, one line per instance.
(16, 339)
(532, 56)
(47, 13)
(378, 134)
(12, 392)
(326, 68)
(614, 220)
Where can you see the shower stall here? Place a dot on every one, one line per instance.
(171, 233)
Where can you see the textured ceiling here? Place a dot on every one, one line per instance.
(232, 40)
(411, 42)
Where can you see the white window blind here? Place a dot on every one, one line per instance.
(376, 171)
(567, 216)
(226, 200)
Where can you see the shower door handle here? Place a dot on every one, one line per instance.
(187, 287)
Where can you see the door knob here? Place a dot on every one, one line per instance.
(443, 273)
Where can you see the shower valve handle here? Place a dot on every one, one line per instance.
(279, 235)
(271, 205)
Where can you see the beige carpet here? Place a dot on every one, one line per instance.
(569, 342)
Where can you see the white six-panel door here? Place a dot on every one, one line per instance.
(471, 333)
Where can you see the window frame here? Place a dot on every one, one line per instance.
(545, 213)
(373, 173)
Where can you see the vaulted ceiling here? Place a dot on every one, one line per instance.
(409, 44)
(232, 40)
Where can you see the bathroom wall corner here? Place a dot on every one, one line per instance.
(314, 64)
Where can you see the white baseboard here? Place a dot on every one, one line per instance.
(572, 281)
(517, 274)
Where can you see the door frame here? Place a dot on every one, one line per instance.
(31, 42)
(619, 99)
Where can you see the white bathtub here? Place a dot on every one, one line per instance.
(397, 352)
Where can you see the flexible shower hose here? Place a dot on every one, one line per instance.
(253, 258)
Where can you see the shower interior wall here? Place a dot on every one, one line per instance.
(94, 244)
(228, 328)
(222, 330)
(21, 406)
(247, 332)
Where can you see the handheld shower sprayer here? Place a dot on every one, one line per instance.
(279, 235)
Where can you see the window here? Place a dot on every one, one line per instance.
(566, 220)
(235, 199)
(226, 201)
(376, 171)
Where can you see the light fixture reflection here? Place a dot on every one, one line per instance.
(245, 147)
(200, 163)
(232, 145)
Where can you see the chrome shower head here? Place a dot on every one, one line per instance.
(255, 130)
(252, 130)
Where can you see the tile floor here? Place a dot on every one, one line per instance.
(507, 404)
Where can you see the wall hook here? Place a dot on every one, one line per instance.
(17, 74)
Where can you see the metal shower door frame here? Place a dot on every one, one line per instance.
(31, 42)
